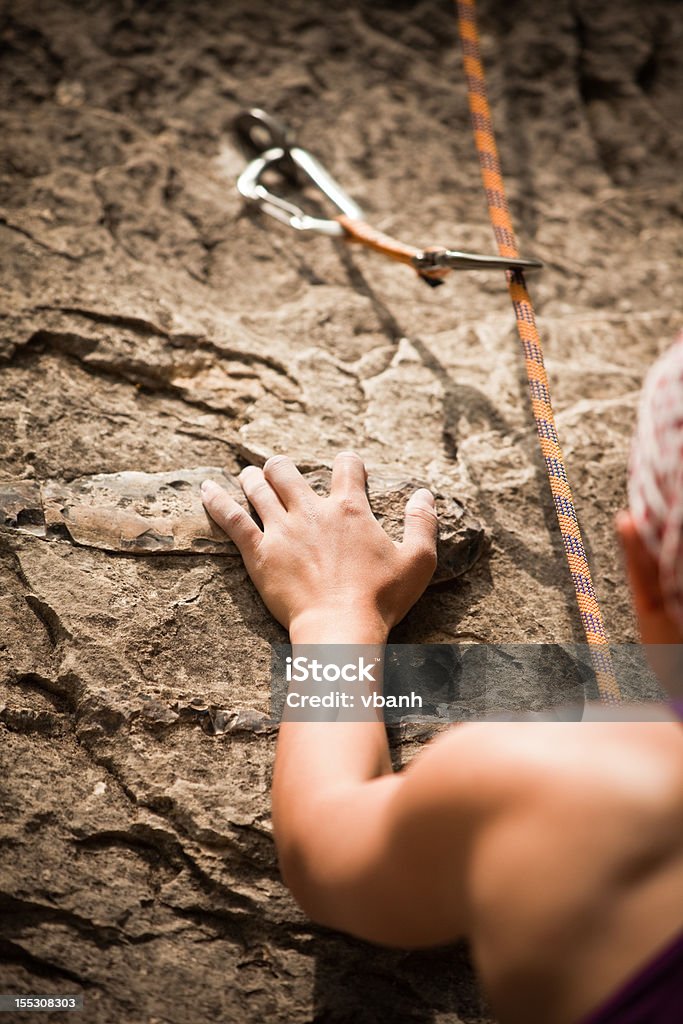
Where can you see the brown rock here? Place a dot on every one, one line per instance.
(150, 321)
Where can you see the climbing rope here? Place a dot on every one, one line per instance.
(539, 387)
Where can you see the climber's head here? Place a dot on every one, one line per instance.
(651, 531)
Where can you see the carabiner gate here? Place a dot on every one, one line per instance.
(256, 127)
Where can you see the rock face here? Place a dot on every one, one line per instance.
(151, 323)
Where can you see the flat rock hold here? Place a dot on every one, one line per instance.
(162, 513)
(21, 506)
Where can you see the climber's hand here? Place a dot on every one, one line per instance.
(321, 562)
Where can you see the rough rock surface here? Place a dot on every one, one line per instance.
(150, 323)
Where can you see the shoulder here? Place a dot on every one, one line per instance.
(484, 764)
(490, 768)
(463, 781)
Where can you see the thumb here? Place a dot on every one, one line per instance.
(421, 526)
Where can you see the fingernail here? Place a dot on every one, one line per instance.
(208, 488)
(429, 497)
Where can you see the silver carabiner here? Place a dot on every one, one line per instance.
(278, 153)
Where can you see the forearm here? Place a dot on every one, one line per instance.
(320, 766)
(356, 848)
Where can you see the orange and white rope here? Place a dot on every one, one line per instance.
(539, 387)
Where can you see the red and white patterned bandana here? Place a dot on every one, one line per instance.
(655, 488)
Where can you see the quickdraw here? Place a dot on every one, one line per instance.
(278, 152)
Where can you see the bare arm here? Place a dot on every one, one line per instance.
(531, 839)
(361, 848)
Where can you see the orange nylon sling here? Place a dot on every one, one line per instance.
(539, 387)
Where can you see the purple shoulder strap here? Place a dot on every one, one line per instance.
(677, 705)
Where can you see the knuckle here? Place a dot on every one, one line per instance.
(349, 505)
(274, 461)
(233, 516)
(424, 515)
(423, 550)
(425, 556)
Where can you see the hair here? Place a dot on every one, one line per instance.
(655, 486)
